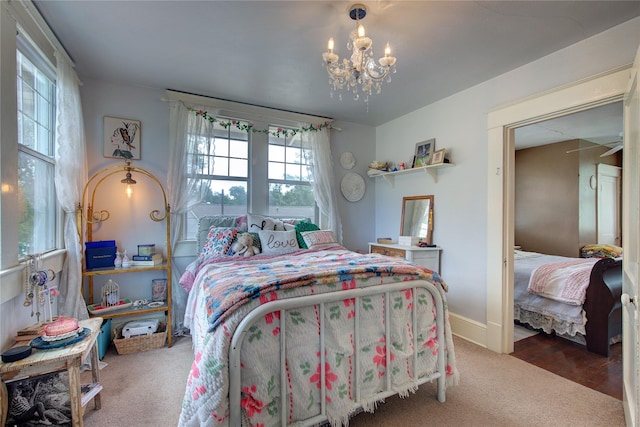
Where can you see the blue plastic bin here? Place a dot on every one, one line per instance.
(104, 339)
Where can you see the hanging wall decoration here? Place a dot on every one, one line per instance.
(121, 138)
(347, 160)
(352, 187)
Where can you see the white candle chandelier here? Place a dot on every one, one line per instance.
(362, 73)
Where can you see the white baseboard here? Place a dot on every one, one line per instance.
(468, 329)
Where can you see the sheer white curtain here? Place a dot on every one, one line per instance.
(323, 185)
(183, 185)
(70, 178)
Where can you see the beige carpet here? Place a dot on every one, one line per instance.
(146, 389)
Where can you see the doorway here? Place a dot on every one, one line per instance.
(565, 196)
(502, 123)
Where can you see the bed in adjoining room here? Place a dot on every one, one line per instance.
(575, 298)
(307, 335)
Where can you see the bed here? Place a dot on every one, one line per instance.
(593, 314)
(300, 338)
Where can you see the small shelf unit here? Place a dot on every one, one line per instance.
(431, 170)
(87, 218)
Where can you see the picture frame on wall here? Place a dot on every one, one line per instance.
(121, 138)
(423, 153)
(438, 157)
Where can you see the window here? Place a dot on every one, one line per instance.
(289, 177)
(223, 163)
(36, 164)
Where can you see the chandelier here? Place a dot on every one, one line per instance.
(362, 72)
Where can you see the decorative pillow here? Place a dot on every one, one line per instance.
(278, 242)
(319, 239)
(304, 226)
(218, 241)
(206, 222)
(258, 222)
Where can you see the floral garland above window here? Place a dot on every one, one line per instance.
(248, 127)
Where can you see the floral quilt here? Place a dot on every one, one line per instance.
(224, 291)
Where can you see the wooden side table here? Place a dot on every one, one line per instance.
(42, 362)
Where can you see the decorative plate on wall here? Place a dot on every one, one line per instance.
(347, 160)
(352, 187)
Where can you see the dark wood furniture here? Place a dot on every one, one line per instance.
(602, 305)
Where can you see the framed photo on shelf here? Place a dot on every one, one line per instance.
(438, 157)
(423, 153)
(121, 138)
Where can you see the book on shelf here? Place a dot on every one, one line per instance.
(88, 392)
(151, 257)
(139, 260)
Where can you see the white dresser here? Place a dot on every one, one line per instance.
(426, 257)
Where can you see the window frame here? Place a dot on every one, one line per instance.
(15, 18)
(287, 142)
(190, 233)
(25, 47)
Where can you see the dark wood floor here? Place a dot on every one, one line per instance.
(574, 362)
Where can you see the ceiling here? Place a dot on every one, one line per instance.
(601, 125)
(268, 53)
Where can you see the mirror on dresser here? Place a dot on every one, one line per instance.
(417, 217)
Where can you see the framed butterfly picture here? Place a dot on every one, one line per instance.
(121, 138)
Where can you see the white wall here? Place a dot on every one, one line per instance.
(459, 124)
(357, 217)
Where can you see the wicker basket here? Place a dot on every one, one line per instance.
(141, 342)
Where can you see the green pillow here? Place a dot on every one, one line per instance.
(304, 226)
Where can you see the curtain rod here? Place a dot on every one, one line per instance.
(237, 108)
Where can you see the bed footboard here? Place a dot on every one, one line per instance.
(602, 305)
(319, 300)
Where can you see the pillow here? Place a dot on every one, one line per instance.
(278, 242)
(304, 226)
(319, 239)
(258, 222)
(218, 241)
(206, 222)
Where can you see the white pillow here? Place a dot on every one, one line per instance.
(258, 222)
(278, 242)
(319, 239)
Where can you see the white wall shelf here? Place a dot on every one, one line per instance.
(431, 170)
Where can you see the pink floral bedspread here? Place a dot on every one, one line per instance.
(224, 291)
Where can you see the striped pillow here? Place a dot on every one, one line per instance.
(319, 239)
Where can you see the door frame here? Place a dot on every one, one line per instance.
(593, 92)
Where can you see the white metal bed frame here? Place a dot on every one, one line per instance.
(321, 300)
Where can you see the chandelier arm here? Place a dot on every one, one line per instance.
(381, 68)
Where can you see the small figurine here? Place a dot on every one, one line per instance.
(126, 262)
(117, 263)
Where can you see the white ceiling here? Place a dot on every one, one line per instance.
(600, 125)
(268, 53)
